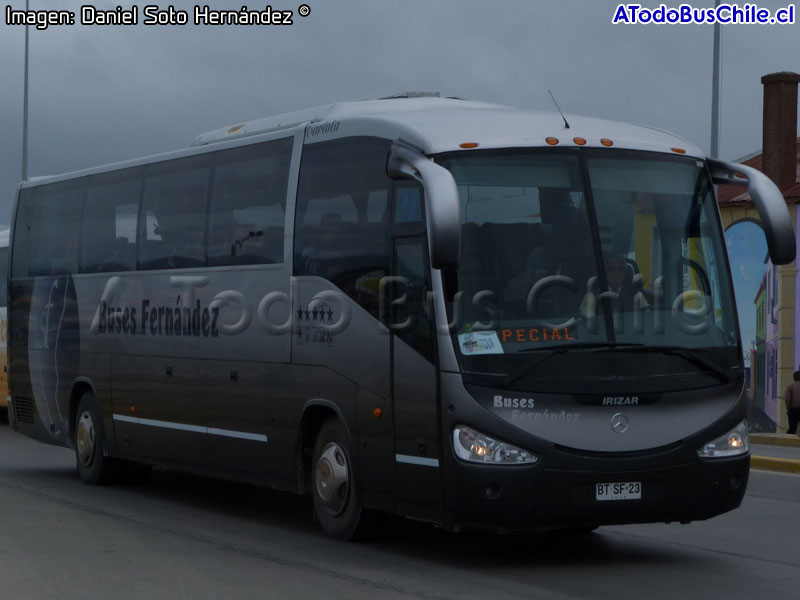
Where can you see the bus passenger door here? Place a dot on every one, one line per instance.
(414, 387)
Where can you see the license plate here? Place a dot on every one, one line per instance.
(629, 490)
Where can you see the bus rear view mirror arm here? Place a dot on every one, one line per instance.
(442, 208)
(769, 202)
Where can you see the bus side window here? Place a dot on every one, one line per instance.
(408, 204)
(342, 224)
(410, 264)
(3, 282)
(20, 258)
(108, 238)
(53, 222)
(247, 209)
(175, 193)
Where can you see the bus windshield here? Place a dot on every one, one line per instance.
(591, 251)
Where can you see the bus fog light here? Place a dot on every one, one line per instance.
(474, 446)
(733, 443)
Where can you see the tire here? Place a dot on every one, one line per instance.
(94, 465)
(334, 485)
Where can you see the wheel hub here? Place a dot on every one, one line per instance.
(85, 438)
(332, 478)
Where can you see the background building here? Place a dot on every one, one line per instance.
(780, 160)
(757, 358)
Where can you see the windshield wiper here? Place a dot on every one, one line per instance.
(582, 346)
(721, 373)
(718, 371)
(559, 349)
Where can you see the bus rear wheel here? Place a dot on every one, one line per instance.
(94, 466)
(334, 484)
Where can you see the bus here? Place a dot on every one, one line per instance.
(4, 233)
(449, 311)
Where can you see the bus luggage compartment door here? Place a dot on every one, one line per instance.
(161, 417)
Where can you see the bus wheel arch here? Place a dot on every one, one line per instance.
(335, 484)
(315, 413)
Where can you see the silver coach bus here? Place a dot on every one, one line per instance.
(452, 311)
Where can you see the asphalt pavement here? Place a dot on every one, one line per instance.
(183, 536)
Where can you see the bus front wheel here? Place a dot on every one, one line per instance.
(94, 466)
(335, 484)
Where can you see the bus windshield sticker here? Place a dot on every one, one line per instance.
(479, 342)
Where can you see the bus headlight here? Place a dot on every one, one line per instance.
(733, 443)
(474, 446)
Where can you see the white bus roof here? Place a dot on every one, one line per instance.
(442, 124)
(432, 124)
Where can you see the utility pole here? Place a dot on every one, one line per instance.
(715, 89)
(25, 109)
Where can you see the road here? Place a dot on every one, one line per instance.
(181, 536)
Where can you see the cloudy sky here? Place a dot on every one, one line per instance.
(104, 94)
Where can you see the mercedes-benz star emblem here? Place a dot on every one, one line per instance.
(619, 423)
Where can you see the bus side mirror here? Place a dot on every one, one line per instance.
(442, 207)
(769, 202)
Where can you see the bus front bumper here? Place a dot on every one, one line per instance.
(541, 498)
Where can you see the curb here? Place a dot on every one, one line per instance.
(775, 439)
(768, 463)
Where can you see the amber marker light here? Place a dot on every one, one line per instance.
(607, 142)
(133, 409)
(552, 141)
(580, 141)
(678, 150)
(377, 412)
(468, 145)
